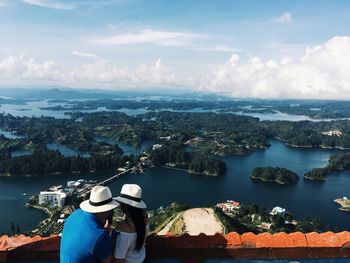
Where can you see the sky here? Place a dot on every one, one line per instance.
(240, 48)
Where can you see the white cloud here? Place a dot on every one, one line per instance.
(284, 18)
(322, 73)
(85, 55)
(106, 74)
(20, 68)
(161, 38)
(50, 4)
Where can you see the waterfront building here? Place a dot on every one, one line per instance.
(55, 198)
(333, 133)
(157, 146)
(265, 225)
(75, 184)
(229, 206)
(278, 211)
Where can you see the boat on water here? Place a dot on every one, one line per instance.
(24, 194)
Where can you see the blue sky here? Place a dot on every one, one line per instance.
(243, 48)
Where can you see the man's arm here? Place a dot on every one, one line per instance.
(103, 246)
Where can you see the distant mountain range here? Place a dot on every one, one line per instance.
(64, 93)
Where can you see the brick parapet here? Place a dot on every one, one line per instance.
(197, 248)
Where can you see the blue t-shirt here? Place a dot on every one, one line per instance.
(84, 239)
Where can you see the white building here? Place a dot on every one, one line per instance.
(229, 206)
(157, 146)
(75, 184)
(333, 133)
(70, 184)
(278, 211)
(55, 198)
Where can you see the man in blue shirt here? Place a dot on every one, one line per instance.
(86, 234)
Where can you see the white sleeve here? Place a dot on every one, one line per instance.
(122, 245)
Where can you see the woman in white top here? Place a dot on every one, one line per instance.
(131, 232)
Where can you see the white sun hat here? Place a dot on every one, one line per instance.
(100, 200)
(131, 195)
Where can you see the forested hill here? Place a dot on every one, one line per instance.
(336, 162)
(275, 175)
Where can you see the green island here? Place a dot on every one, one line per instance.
(172, 156)
(311, 108)
(336, 162)
(208, 134)
(274, 175)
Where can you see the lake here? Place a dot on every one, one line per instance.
(33, 108)
(162, 186)
(127, 148)
(66, 151)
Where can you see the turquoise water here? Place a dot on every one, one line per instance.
(10, 135)
(127, 148)
(32, 108)
(162, 186)
(66, 151)
(19, 153)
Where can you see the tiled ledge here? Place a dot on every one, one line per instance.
(196, 248)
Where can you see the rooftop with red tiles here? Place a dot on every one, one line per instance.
(194, 249)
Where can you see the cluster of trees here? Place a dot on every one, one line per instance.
(317, 109)
(314, 109)
(206, 164)
(43, 162)
(339, 161)
(174, 104)
(248, 217)
(318, 174)
(193, 162)
(336, 162)
(274, 174)
(306, 133)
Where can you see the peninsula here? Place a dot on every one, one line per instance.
(344, 202)
(274, 175)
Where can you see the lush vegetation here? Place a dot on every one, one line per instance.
(336, 162)
(193, 162)
(310, 134)
(210, 133)
(250, 218)
(316, 174)
(275, 175)
(44, 162)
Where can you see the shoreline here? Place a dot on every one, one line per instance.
(310, 146)
(188, 171)
(315, 179)
(41, 208)
(344, 203)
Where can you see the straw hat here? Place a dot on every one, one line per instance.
(100, 200)
(131, 195)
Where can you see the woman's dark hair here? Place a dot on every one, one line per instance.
(137, 216)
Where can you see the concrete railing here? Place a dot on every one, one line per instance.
(196, 249)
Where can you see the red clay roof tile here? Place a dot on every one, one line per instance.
(246, 240)
(328, 239)
(233, 239)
